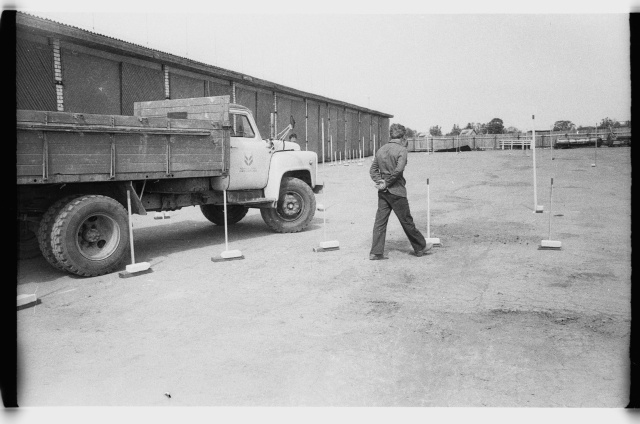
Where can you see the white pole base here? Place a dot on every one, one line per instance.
(326, 246)
(228, 255)
(136, 269)
(539, 209)
(26, 300)
(593, 165)
(140, 266)
(329, 244)
(550, 245)
(433, 240)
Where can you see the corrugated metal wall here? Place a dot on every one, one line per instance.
(383, 129)
(352, 131)
(322, 116)
(263, 118)
(365, 127)
(284, 112)
(342, 137)
(247, 97)
(338, 143)
(183, 87)
(215, 88)
(313, 128)
(140, 84)
(91, 83)
(35, 88)
(298, 113)
(374, 132)
(103, 82)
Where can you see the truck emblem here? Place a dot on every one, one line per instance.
(248, 160)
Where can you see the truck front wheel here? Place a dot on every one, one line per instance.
(295, 208)
(90, 235)
(215, 213)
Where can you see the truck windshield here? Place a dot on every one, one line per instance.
(241, 127)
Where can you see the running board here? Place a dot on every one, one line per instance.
(258, 202)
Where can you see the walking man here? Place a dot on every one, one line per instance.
(386, 171)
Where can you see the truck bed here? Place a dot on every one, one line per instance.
(64, 147)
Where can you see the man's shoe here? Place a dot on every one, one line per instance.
(424, 251)
(377, 257)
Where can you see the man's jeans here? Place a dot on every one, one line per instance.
(400, 205)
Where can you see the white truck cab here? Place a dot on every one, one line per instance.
(269, 174)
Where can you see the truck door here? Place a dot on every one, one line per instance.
(250, 155)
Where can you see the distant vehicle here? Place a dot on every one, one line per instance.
(584, 140)
(577, 140)
(614, 140)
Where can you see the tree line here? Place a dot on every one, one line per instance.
(496, 126)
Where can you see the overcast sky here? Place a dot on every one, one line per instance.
(424, 68)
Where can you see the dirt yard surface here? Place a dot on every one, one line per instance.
(485, 320)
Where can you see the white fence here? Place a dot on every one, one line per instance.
(478, 142)
(500, 141)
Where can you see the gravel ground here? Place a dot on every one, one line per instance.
(485, 320)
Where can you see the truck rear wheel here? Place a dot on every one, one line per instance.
(45, 229)
(295, 208)
(90, 235)
(215, 213)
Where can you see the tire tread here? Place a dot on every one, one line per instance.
(271, 218)
(57, 239)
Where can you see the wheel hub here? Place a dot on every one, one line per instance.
(291, 206)
(91, 235)
(98, 237)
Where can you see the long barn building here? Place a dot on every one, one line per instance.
(64, 68)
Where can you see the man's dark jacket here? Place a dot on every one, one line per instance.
(388, 165)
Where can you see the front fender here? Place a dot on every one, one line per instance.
(298, 163)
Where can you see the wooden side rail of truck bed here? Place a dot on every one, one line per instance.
(63, 147)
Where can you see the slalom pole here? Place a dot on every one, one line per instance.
(551, 141)
(134, 268)
(330, 152)
(536, 208)
(323, 147)
(434, 241)
(229, 255)
(550, 244)
(595, 151)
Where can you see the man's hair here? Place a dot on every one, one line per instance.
(397, 131)
(294, 135)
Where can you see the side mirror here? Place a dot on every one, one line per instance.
(292, 121)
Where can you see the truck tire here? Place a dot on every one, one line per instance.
(295, 208)
(90, 235)
(45, 228)
(215, 213)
